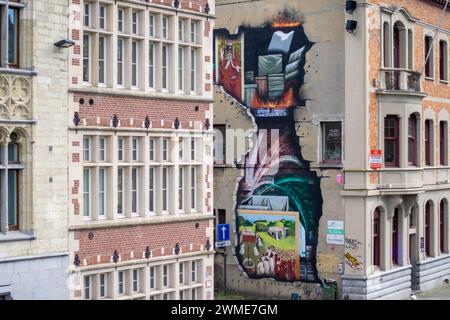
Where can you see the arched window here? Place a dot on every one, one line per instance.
(376, 238)
(428, 142)
(395, 238)
(427, 223)
(386, 46)
(399, 49)
(443, 207)
(412, 140)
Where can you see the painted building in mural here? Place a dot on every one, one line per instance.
(344, 130)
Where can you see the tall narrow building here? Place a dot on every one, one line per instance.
(140, 150)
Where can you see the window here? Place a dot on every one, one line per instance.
(165, 27)
(152, 278)
(135, 280)
(181, 295)
(87, 14)
(120, 15)
(331, 142)
(219, 144)
(395, 238)
(102, 17)
(135, 22)
(165, 191)
(101, 60)
(152, 149)
(412, 140)
(193, 31)
(165, 276)
(386, 46)
(86, 192)
(193, 188)
(193, 149)
(180, 188)
(11, 183)
(165, 52)
(151, 189)
(180, 68)
(102, 285)
(410, 50)
(193, 64)
(134, 63)
(427, 222)
(399, 40)
(120, 59)
(181, 273)
(151, 65)
(87, 287)
(428, 142)
(181, 30)
(442, 224)
(194, 294)
(120, 146)
(135, 149)
(443, 61)
(391, 141)
(101, 191)
(120, 191)
(429, 63)
(134, 190)
(443, 129)
(101, 149)
(165, 150)
(376, 238)
(121, 281)
(180, 149)
(165, 296)
(86, 57)
(10, 36)
(151, 25)
(194, 271)
(87, 149)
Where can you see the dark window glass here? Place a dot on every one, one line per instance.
(391, 141)
(332, 142)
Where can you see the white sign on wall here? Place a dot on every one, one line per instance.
(335, 232)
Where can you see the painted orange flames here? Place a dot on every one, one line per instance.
(287, 100)
(285, 24)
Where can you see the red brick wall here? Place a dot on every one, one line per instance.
(137, 238)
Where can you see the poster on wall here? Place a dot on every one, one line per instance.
(335, 232)
(269, 244)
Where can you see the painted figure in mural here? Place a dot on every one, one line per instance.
(276, 176)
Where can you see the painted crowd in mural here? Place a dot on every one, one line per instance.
(279, 201)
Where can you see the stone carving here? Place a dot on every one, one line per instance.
(15, 97)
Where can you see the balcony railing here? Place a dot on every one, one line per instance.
(400, 80)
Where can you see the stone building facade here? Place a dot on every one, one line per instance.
(140, 150)
(33, 140)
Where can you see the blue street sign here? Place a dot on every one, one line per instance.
(223, 232)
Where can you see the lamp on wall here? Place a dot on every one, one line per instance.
(207, 124)
(177, 123)
(148, 253)
(351, 26)
(77, 261)
(116, 256)
(350, 6)
(207, 10)
(76, 120)
(115, 122)
(64, 43)
(147, 123)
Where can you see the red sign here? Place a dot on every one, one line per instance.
(376, 159)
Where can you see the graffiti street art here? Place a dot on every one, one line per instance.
(353, 262)
(263, 68)
(352, 244)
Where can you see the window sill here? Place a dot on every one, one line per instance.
(330, 165)
(429, 79)
(16, 236)
(443, 81)
(20, 72)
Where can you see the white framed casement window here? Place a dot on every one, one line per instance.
(134, 63)
(135, 280)
(120, 62)
(152, 279)
(194, 294)
(134, 191)
(181, 278)
(165, 67)
(86, 193)
(102, 286)
(102, 149)
(102, 192)
(180, 148)
(120, 191)
(87, 287)
(135, 149)
(120, 147)
(165, 27)
(181, 30)
(121, 283)
(182, 295)
(193, 271)
(193, 149)
(151, 65)
(165, 149)
(102, 43)
(165, 276)
(87, 146)
(165, 190)
(135, 22)
(180, 189)
(193, 66)
(151, 190)
(86, 58)
(120, 20)
(151, 25)
(87, 14)
(193, 189)
(151, 149)
(102, 17)
(193, 31)
(180, 69)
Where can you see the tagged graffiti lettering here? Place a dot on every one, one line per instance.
(352, 244)
(353, 262)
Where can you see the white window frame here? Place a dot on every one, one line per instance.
(102, 149)
(193, 149)
(151, 147)
(165, 27)
(181, 23)
(180, 69)
(120, 20)
(120, 149)
(102, 18)
(165, 276)
(151, 24)
(103, 276)
(193, 189)
(151, 65)
(165, 149)
(134, 22)
(194, 294)
(135, 64)
(88, 287)
(102, 192)
(87, 148)
(121, 192)
(194, 273)
(152, 278)
(135, 280)
(135, 149)
(121, 283)
(165, 190)
(193, 70)
(193, 31)
(87, 14)
(120, 62)
(165, 68)
(181, 274)
(151, 190)
(136, 191)
(87, 193)
(102, 60)
(181, 189)
(180, 149)
(87, 59)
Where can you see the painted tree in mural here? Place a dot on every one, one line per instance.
(263, 68)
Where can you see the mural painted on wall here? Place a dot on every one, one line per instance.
(276, 177)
